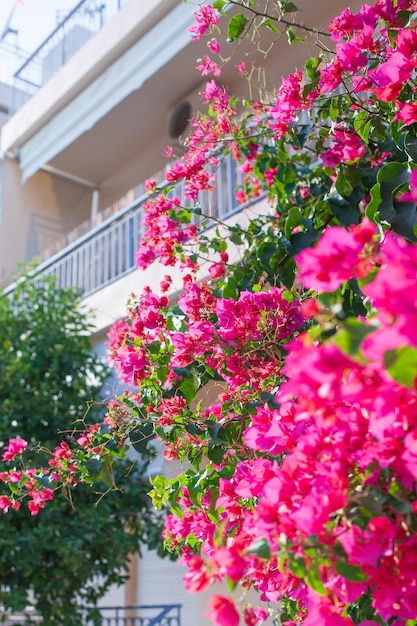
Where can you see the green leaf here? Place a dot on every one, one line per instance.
(261, 548)
(265, 252)
(293, 37)
(353, 301)
(213, 429)
(268, 23)
(311, 68)
(402, 365)
(401, 506)
(288, 7)
(401, 215)
(297, 566)
(303, 240)
(216, 454)
(93, 466)
(339, 206)
(352, 335)
(334, 109)
(410, 146)
(154, 347)
(176, 486)
(229, 289)
(313, 579)
(362, 125)
(219, 5)
(193, 429)
(350, 572)
(185, 216)
(167, 189)
(141, 437)
(189, 388)
(236, 26)
(184, 372)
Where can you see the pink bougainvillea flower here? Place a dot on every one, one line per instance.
(38, 499)
(205, 18)
(197, 578)
(223, 611)
(407, 113)
(390, 77)
(5, 504)
(254, 616)
(336, 258)
(214, 45)
(14, 448)
(207, 66)
(347, 148)
(323, 612)
(230, 563)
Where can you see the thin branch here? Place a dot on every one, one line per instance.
(281, 20)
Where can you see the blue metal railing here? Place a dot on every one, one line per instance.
(85, 19)
(107, 252)
(141, 615)
(11, 58)
(145, 615)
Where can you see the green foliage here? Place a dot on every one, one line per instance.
(402, 365)
(401, 215)
(68, 555)
(236, 26)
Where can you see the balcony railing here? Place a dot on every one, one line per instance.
(87, 18)
(144, 615)
(107, 252)
(158, 615)
(11, 58)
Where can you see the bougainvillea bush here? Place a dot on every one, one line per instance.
(284, 375)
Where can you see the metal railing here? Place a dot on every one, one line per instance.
(107, 252)
(145, 615)
(85, 19)
(141, 615)
(11, 58)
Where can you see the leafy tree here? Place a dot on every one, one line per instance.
(68, 555)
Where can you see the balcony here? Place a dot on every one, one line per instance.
(107, 252)
(86, 19)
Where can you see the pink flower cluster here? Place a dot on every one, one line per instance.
(205, 18)
(338, 256)
(14, 448)
(243, 344)
(375, 33)
(163, 234)
(128, 338)
(345, 433)
(21, 480)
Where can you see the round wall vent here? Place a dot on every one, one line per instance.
(179, 118)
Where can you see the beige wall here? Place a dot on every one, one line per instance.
(35, 215)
